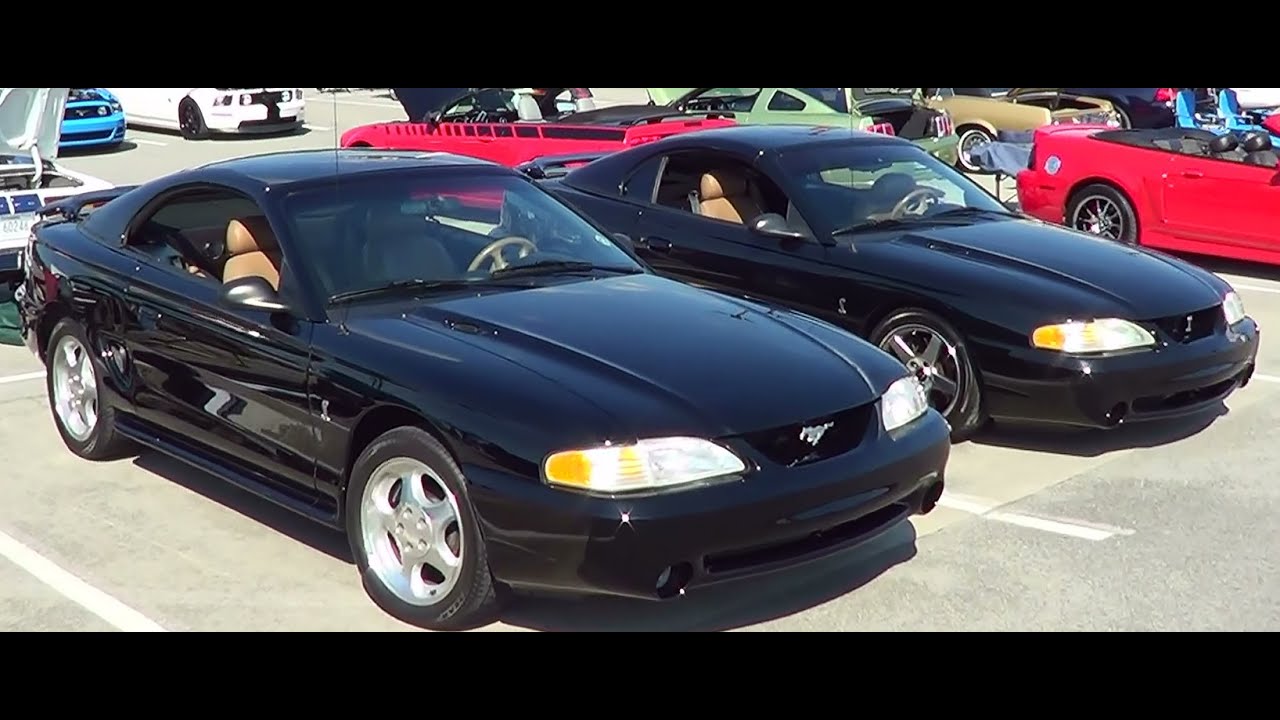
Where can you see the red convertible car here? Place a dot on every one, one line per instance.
(511, 126)
(1175, 189)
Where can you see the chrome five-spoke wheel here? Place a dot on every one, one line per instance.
(75, 388)
(932, 359)
(411, 532)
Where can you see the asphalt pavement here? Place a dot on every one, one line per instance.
(1156, 527)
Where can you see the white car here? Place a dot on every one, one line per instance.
(30, 127)
(1258, 98)
(199, 112)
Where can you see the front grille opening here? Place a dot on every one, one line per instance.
(1186, 398)
(1191, 326)
(812, 544)
(792, 445)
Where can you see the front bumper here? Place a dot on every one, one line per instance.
(547, 539)
(946, 149)
(92, 132)
(248, 119)
(1173, 381)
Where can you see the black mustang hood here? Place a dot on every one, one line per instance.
(418, 103)
(1052, 267)
(662, 357)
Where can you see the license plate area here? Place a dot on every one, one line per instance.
(14, 229)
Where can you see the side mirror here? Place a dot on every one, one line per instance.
(773, 225)
(625, 241)
(252, 293)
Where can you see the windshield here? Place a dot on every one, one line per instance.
(377, 230)
(859, 183)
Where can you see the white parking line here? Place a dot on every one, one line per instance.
(141, 141)
(1266, 378)
(989, 511)
(21, 378)
(316, 128)
(105, 607)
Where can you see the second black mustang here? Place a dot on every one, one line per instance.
(1000, 316)
(475, 382)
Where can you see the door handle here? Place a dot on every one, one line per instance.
(1192, 174)
(656, 244)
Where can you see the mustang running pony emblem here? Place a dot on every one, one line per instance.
(813, 435)
(1190, 324)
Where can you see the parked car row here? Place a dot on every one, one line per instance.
(695, 351)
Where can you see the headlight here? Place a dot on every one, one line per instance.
(1106, 335)
(903, 402)
(1233, 308)
(646, 465)
(115, 106)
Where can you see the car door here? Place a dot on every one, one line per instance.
(726, 256)
(1222, 201)
(225, 382)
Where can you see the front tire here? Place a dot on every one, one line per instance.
(971, 137)
(191, 121)
(1104, 211)
(415, 535)
(936, 353)
(77, 396)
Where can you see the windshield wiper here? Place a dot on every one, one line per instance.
(554, 267)
(401, 286)
(882, 224)
(974, 212)
(946, 216)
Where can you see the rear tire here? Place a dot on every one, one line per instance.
(1104, 211)
(78, 400)
(415, 535)
(906, 335)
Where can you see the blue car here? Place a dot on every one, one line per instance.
(93, 119)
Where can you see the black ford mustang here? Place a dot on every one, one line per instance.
(999, 315)
(471, 379)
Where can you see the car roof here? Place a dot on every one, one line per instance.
(298, 166)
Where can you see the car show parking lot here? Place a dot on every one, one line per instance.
(1163, 527)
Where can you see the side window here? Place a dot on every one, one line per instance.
(719, 188)
(188, 233)
(786, 102)
(642, 181)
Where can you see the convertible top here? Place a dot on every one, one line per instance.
(1154, 139)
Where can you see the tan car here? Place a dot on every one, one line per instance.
(980, 114)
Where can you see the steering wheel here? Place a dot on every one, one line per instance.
(916, 202)
(493, 252)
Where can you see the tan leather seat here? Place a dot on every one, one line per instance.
(724, 195)
(252, 250)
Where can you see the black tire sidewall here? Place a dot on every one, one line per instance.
(472, 601)
(201, 129)
(1129, 236)
(97, 445)
(968, 416)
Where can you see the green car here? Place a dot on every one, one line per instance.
(859, 108)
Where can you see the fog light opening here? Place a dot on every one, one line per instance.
(672, 580)
(1115, 415)
(932, 495)
(1246, 376)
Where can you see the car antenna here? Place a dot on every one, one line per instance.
(337, 182)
